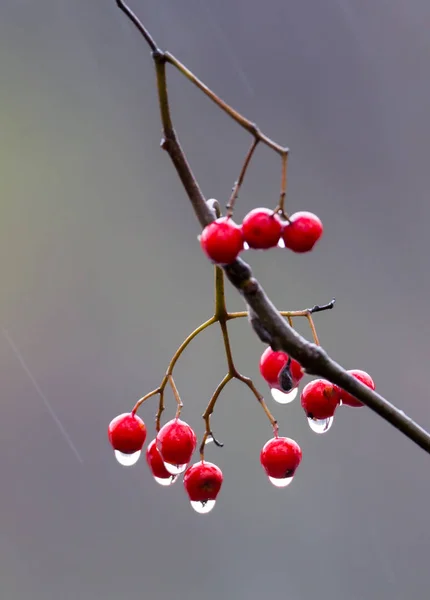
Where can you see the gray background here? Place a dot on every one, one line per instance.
(102, 277)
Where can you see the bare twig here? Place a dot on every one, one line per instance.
(312, 357)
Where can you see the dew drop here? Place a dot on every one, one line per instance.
(127, 460)
(203, 507)
(165, 481)
(175, 469)
(320, 425)
(281, 483)
(283, 397)
(281, 243)
(245, 246)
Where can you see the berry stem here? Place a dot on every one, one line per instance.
(239, 182)
(312, 326)
(144, 398)
(177, 396)
(209, 410)
(280, 208)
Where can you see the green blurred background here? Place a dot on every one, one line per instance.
(102, 277)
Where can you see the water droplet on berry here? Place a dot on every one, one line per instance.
(127, 460)
(281, 483)
(283, 397)
(203, 507)
(165, 481)
(320, 425)
(281, 243)
(175, 469)
(245, 246)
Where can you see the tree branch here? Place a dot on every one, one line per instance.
(312, 357)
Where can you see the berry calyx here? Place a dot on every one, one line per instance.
(272, 363)
(319, 399)
(202, 481)
(127, 433)
(156, 464)
(222, 240)
(280, 458)
(349, 399)
(176, 442)
(302, 232)
(262, 228)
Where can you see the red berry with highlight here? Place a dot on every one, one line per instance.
(319, 399)
(349, 399)
(222, 240)
(155, 462)
(271, 364)
(302, 232)
(203, 481)
(176, 442)
(280, 457)
(127, 433)
(262, 228)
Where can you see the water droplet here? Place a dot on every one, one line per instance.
(165, 481)
(283, 397)
(127, 460)
(203, 507)
(175, 469)
(281, 483)
(281, 243)
(245, 246)
(320, 425)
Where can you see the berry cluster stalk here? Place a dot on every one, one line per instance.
(311, 356)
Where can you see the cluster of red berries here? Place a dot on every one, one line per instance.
(261, 229)
(170, 453)
(319, 398)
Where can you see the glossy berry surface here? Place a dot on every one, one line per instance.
(302, 232)
(280, 457)
(262, 229)
(127, 433)
(271, 365)
(319, 399)
(176, 442)
(155, 462)
(348, 399)
(203, 481)
(222, 240)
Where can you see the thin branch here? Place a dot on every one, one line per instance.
(313, 358)
(134, 19)
(239, 182)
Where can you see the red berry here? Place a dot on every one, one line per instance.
(262, 228)
(271, 365)
(156, 463)
(302, 232)
(222, 240)
(280, 457)
(320, 399)
(202, 481)
(176, 442)
(127, 433)
(349, 399)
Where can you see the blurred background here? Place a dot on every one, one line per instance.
(102, 277)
